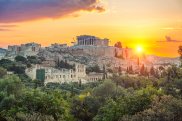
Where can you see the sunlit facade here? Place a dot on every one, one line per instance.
(88, 40)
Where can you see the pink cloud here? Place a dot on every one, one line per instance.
(23, 10)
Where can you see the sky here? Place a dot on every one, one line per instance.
(135, 23)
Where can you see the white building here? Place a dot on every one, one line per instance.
(95, 46)
(87, 40)
(59, 75)
(29, 49)
(93, 77)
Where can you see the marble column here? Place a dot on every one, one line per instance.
(82, 42)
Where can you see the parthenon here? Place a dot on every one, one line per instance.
(87, 40)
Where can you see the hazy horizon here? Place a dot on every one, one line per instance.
(141, 22)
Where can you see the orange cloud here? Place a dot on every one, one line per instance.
(6, 27)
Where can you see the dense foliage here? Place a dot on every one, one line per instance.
(121, 98)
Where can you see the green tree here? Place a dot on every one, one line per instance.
(172, 73)
(165, 108)
(104, 72)
(120, 70)
(130, 69)
(12, 85)
(50, 103)
(105, 90)
(152, 71)
(11, 90)
(95, 68)
(118, 45)
(85, 109)
(108, 112)
(64, 64)
(143, 71)
(126, 105)
(3, 72)
(6, 106)
(33, 60)
(20, 59)
(6, 64)
(17, 69)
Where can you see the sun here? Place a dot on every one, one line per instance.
(139, 49)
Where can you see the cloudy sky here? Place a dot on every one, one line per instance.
(133, 22)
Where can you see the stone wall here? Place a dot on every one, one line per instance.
(59, 75)
(29, 49)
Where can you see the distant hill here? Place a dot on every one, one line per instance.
(162, 60)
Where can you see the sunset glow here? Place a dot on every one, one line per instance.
(91, 60)
(139, 49)
(128, 21)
